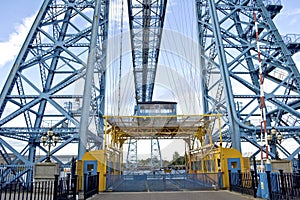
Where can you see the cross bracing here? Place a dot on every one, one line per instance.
(227, 35)
(146, 19)
(45, 86)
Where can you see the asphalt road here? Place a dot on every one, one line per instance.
(180, 195)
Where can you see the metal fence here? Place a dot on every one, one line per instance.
(14, 173)
(281, 186)
(243, 182)
(35, 190)
(56, 189)
(65, 188)
(91, 185)
(284, 185)
(162, 182)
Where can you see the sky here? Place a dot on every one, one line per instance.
(16, 18)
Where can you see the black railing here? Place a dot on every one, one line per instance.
(36, 190)
(56, 189)
(91, 185)
(281, 186)
(65, 188)
(243, 182)
(284, 185)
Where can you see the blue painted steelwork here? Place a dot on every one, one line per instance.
(44, 88)
(292, 42)
(131, 160)
(52, 64)
(231, 82)
(146, 19)
(156, 159)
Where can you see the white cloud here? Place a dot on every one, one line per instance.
(295, 11)
(10, 48)
(296, 58)
(293, 21)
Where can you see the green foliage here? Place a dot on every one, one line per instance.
(177, 159)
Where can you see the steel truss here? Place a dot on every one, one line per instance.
(146, 19)
(231, 83)
(45, 86)
(65, 50)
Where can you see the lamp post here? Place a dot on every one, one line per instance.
(49, 139)
(273, 138)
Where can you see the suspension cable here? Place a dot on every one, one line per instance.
(120, 58)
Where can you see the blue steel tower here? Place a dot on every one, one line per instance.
(57, 82)
(232, 49)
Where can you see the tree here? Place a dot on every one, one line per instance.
(175, 156)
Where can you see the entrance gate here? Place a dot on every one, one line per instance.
(161, 182)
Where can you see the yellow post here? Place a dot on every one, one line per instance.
(79, 172)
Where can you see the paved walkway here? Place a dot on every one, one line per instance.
(186, 195)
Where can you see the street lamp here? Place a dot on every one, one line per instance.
(49, 139)
(273, 139)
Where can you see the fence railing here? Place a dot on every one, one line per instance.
(163, 182)
(56, 189)
(284, 185)
(65, 188)
(14, 173)
(243, 182)
(281, 186)
(91, 185)
(35, 190)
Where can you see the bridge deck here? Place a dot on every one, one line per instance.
(162, 182)
(191, 195)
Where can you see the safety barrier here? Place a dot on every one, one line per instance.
(284, 185)
(91, 185)
(65, 188)
(14, 173)
(56, 189)
(243, 182)
(162, 182)
(278, 186)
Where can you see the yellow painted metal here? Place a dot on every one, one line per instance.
(215, 161)
(164, 127)
(193, 129)
(79, 172)
(108, 162)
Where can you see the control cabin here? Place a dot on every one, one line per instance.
(156, 113)
(156, 108)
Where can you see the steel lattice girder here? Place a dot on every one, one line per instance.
(44, 88)
(146, 19)
(227, 35)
